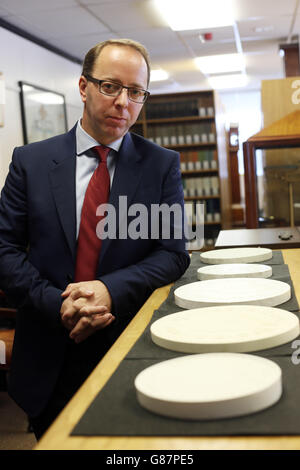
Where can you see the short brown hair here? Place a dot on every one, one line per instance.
(94, 53)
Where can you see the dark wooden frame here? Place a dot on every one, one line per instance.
(249, 149)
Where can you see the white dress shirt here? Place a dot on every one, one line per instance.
(87, 162)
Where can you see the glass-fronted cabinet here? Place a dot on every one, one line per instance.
(272, 174)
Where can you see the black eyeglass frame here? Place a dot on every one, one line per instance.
(99, 82)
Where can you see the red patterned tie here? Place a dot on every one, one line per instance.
(89, 245)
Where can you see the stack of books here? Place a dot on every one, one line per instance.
(183, 134)
(207, 211)
(199, 160)
(201, 186)
(178, 108)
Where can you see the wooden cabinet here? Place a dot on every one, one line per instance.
(279, 98)
(272, 196)
(193, 124)
(272, 163)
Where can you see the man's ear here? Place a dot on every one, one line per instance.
(82, 88)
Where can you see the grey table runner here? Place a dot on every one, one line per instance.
(116, 412)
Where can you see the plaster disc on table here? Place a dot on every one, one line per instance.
(221, 271)
(236, 255)
(234, 328)
(209, 386)
(246, 291)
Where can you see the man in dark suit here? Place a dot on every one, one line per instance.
(67, 321)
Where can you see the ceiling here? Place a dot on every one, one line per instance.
(74, 26)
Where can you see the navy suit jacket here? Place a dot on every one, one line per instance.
(38, 250)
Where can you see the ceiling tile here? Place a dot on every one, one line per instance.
(4, 13)
(296, 28)
(160, 42)
(265, 64)
(20, 6)
(218, 34)
(222, 42)
(171, 53)
(156, 37)
(265, 28)
(131, 15)
(27, 26)
(214, 48)
(262, 8)
(101, 2)
(262, 47)
(66, 22)
(80, 45)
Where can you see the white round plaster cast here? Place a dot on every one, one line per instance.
(236, 255)
(209, 386)
(221, 271)
(235, 328)
(246, 291)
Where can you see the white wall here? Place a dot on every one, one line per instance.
(22, 60)
(243, 107)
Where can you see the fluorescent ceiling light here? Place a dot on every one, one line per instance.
(196, 14)
(157, 75)
(228, 81)
(221, 63)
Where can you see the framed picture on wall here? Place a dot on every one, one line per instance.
(43, 112)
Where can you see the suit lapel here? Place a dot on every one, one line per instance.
(127, 176)
(63, 183)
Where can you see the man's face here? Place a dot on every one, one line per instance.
(108, 118)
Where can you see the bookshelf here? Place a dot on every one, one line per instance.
(193, 124)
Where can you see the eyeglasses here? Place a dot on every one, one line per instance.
(106, 87)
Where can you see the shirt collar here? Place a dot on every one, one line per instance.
(84, 141)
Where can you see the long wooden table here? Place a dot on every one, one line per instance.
(58, 436)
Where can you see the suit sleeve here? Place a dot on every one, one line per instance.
(19, 279)
(168, 260)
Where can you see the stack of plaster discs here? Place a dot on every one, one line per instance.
(232, 280)
(235, 262)
(236, 315)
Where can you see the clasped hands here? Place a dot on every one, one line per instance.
(86, 309)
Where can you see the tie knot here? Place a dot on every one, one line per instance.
(102, 152)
